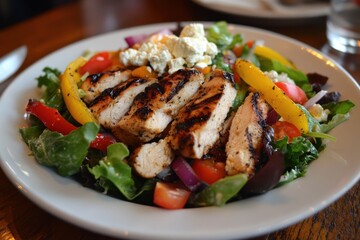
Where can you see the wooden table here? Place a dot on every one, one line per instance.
(21, 219)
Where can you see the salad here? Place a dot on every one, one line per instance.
(190, 119)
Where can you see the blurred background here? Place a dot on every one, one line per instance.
(14, 11)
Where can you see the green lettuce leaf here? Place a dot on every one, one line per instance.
(342, 107)
(219, 34)
(65, 153)
(335, 121)
(114, 170)
(242, 90)
(314, 125)
(298, 155)
(221, 191)
(31, 133)
(339, 113)
(51, 82)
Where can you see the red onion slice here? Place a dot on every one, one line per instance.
(132, 40)
(315, 99)
(186, 174)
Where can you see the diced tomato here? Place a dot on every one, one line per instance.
(170, 195)
(250, 44)
(294, 92)
(97, 63)
(209, 171)
(239, 49)
(283, 129)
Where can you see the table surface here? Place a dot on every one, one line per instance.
(22, 219)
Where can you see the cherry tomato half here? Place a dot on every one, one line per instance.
(294, 92)
(209, 171)
(285, 129)
(239, 49)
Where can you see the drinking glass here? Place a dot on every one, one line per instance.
(343, 34)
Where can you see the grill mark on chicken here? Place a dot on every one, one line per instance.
(95, 84)
(246, 136)
(191, 122)
(155, 108)
(258, 112)
(187, 74)
(205, 102)
(250, 143)
(143, 112)
(113, 103)
(95, 77)
(261, 121)
(116, 91)
(196, 128)
(143, 100)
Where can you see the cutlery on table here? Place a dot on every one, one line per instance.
(11, 62)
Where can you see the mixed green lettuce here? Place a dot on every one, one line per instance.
(111, 171)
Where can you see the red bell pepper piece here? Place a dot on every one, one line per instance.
(96, 64)
(53, 120)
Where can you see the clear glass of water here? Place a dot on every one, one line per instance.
(343, 26)
(343, 34)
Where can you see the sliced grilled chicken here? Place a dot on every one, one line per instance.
(112, 104)
(196, 128)
(217, 151)
(150, 159)
(155, 108)
(95, 84)
(246, 136)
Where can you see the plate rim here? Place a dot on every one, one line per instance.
(264, 14)
(79, 222)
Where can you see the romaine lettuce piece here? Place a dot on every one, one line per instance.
(65, 153)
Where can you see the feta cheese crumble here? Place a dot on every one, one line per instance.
(282, 77)
(190, 49)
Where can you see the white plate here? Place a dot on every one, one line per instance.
(329, 177)
(270, 9)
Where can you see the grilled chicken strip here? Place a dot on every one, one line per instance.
(155, 108)
(95, 84)
(196, 128)
(113, 103)
(246, 136)
(150, 159)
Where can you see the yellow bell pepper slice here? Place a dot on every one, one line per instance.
(70, 92)
(273, 95)
(272, 54)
